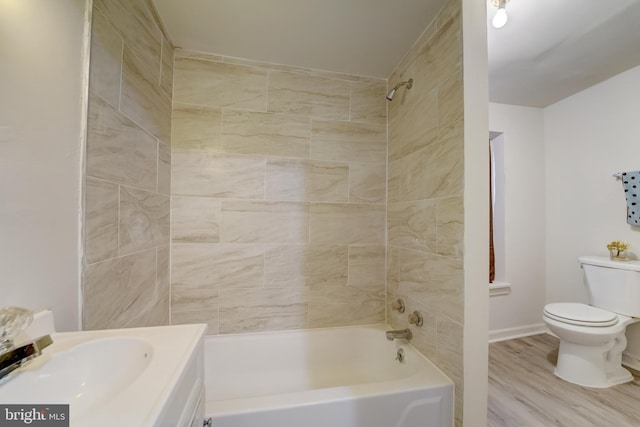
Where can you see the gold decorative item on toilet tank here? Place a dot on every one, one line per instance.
(618, 250)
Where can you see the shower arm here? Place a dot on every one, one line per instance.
(408, 83)
(392, 92)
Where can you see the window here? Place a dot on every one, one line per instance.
(499, 284)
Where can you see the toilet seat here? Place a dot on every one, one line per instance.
(580, 314)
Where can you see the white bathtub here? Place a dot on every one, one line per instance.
(334, 377)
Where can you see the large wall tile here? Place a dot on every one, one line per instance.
(219, 85)
(166, 72)
(211, 266)
(188, 299)
(264, 222)
(368, 102)
(164, 168)
(196, 128)
(305, 95)
(159, 308)
(112, 285)
(345, 306)
(142, 99)
(394, 174)
(450, 103)
(267, 134)
(303, 180)
(163, 270)
(450, 359)
(101, 221)
(451, 226)
(117, 149)
(419, 129)
(305, 265)
(257, 310)
(436, 171)
(393, 269)
(195, 306)
(450, 10)
(442, 56)
(195, 219)
(332, 223)
(204, 174)
(367, 183)
(348, 141)
(367, 267)
(435, 281)
(413, 225)
(134, 21)
(144, 220)
(106, 60)
(455, 129)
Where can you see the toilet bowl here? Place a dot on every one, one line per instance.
(592, 337)
(591, 344)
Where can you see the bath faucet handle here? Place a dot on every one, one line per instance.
(398, 305)
(415, 318)
(12, 321)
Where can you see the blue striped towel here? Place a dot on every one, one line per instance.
(630, 183)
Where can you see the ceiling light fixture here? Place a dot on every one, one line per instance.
(501, 15)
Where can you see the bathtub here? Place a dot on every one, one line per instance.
(334, 377)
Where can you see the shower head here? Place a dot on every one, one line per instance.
(392, 92)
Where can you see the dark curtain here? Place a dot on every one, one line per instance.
(492, 256)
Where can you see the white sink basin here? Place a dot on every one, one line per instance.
(85, 376)
(138, 377)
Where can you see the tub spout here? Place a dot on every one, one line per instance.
(404, 334)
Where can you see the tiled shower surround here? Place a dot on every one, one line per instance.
(278, 196)
(128, 160)
(425, 209)
(274, 192)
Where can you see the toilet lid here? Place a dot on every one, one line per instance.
(580, 314)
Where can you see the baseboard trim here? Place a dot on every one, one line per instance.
(517, 332)
(631, 361)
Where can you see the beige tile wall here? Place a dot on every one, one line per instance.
(278, 196)
(126, 237)
(425, 189)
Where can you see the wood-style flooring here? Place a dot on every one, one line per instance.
(523, 391)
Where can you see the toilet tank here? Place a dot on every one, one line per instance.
(612, 285)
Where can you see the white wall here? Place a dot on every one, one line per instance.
(476, 212)
(520, 311)
(42, 46)
(589, 136)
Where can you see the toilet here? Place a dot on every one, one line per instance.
(592, 337)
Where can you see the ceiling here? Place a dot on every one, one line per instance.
(550, 49)
(362, 37)
(547, 51)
